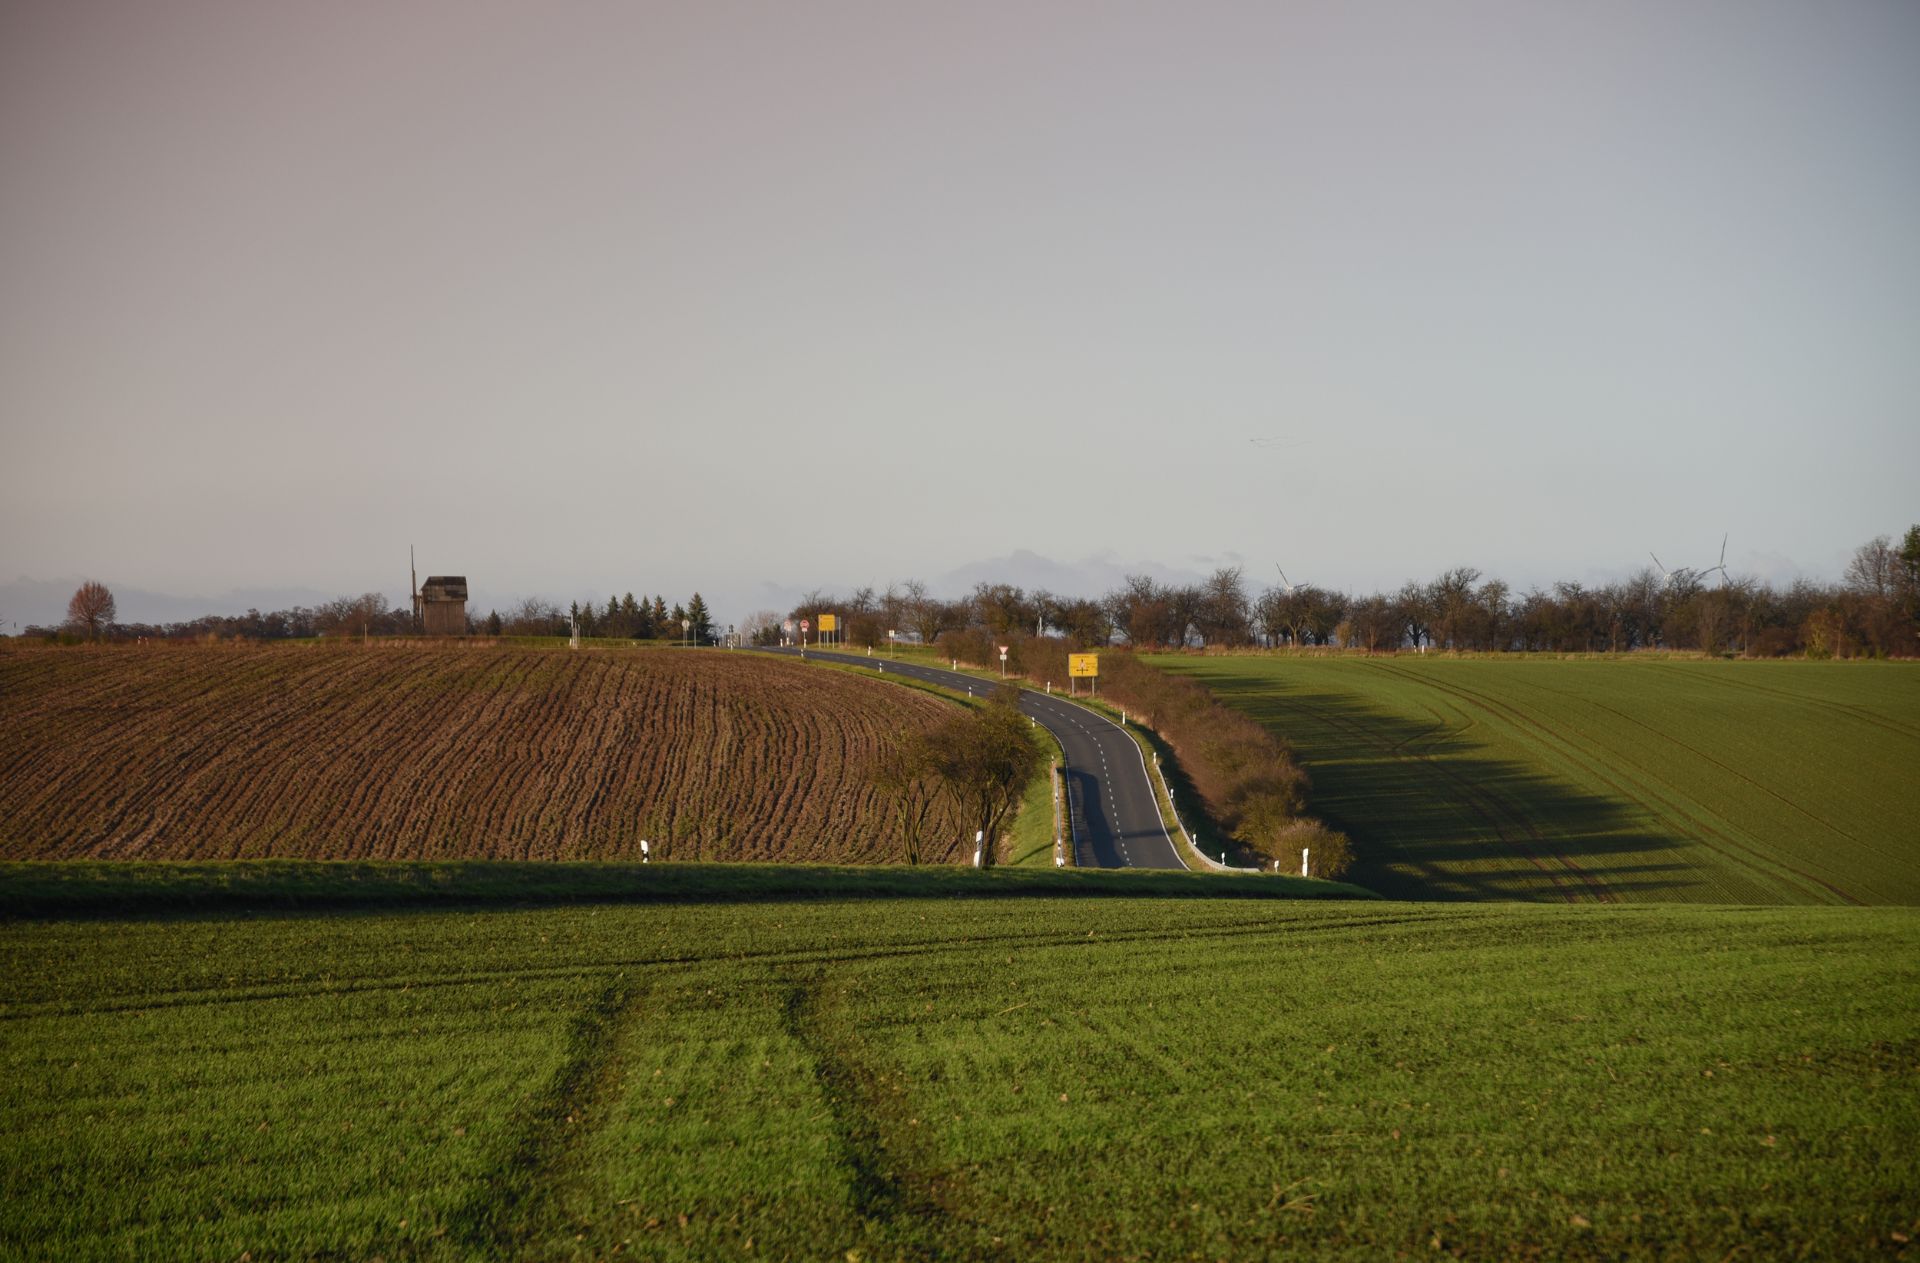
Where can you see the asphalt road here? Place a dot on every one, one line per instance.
(1118, 817)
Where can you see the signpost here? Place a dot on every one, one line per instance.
(804, 625)
(1083, 666)
(829, 626)
(1003, 662)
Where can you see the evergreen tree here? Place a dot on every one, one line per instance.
(493, 622)
(610, 622)
(630, 615)
(660, 617)
(679, 616)
(702, 621)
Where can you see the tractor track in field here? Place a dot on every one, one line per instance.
(1667, 806)
(1857, 713)
(1468, 794)
(519, 1201)
(916, 1208)
(782, 957)
(1595, 885)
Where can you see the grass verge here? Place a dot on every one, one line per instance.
(43, 889)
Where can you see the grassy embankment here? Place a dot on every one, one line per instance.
(1655, 779)
(950, 1077)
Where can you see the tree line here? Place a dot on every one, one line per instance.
(1874, 611)
(92, 615)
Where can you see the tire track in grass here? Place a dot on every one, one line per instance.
(1706, 758)
(907, 1204)
(1466, 794)
(1665, 806)
(1258, 929)
(1677, 806)
(517, 1203)
(1846, 709)
(1595, 886)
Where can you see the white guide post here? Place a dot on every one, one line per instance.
(1303, 861)
(979, 844)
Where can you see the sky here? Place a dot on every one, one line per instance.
(582, 298)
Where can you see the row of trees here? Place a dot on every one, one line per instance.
(622, 618)
(92, 615)
(1874, 611)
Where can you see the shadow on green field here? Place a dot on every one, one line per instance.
(111, 888)
(1433, 819)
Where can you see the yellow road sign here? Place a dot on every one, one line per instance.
(829, 622)
(1082, 666)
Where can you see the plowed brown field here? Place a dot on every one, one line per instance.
(413, 751)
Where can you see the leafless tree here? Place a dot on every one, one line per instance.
(92, 610)
(1448, 600)
(1002, 607)
(533, 617)
(353, 615)
(1224, 616)
(1875, 570)
(762, 627)
(1136, 608)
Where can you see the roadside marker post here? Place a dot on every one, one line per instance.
(979, 845)
(644, 856)
(1303, 861)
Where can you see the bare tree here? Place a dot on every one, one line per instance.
(1449, 599)
(1224, 615)
(1085, 622)
(534, 617)
(1184, 606)
(1002, 607)
(353, 615)
(1875, 569)
(762, 627)
(1135, 607)
(91, 611)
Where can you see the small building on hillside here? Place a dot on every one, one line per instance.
(440, 607)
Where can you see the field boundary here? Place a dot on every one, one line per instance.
(57, 889)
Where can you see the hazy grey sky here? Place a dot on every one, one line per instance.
(589, 297)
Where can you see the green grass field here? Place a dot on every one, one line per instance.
(950, 1077)
(1615, 779)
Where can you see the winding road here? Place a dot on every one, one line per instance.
(1118, 818)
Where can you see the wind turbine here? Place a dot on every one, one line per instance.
(1290, 587)
(1722, 567)
(1670, 577)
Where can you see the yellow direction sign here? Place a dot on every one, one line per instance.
(1082, 666)
(829, 622)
